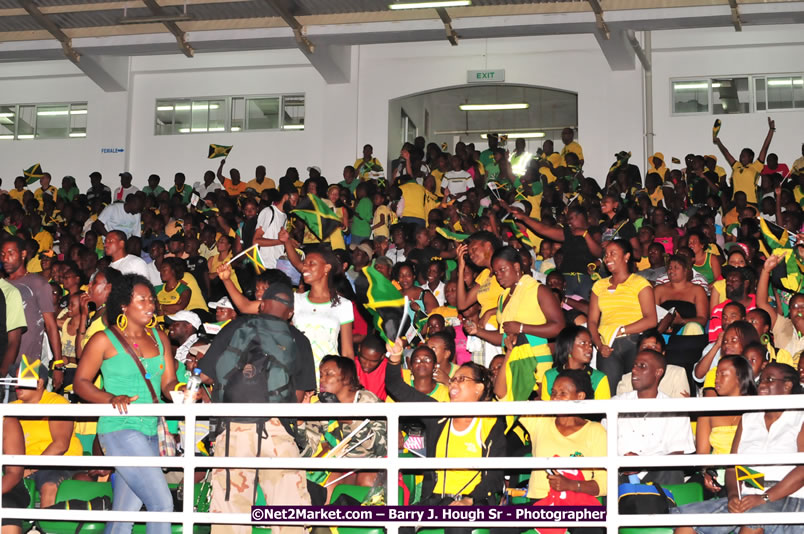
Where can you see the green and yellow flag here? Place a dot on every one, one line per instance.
(386, 305)
(518, 235)
(214, 328)
(33, 173)
(446, 233)
(716, 129)
(218, 151)
(751, 478)
(780, 244)
(253, 255)
(318, 217)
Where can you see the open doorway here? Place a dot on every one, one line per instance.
(520, 111)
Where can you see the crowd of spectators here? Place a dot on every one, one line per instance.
(530, 277)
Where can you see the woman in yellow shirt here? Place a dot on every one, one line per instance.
(224, 246)
(173, 295)
(620, 307)
(567, 435)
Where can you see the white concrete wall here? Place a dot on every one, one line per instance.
(341, 118)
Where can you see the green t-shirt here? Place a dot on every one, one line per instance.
(361, 223)
(15, 313)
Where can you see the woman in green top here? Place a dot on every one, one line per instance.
(68, 190)
(115, 352)
(574, 351)
(706, 263)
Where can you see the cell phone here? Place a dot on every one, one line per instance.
(195, 198)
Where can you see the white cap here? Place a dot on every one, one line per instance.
(186, 316)
(316, 167)
(224, 302)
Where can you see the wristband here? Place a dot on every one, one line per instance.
(177, 386)
(57, 362)
(521, 327)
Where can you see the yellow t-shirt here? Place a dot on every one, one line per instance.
(573, 147)
(619, 307)
(17, 195)
(390, 218)
(467, 443)
(547, 441)
(45, 240)
(34, 265)
(555, 160)
(439, 393)
(414, 196)
(489, 293)
(197, 301)
(52, 191)
(232, 189)
(37, 431)
(267, 183)
(745, 179)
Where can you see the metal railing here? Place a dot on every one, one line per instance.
(392, 412)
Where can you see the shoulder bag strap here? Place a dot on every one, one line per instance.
(122, 340)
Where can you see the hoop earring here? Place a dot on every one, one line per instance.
(764, 339)
(122, 321)
(152, 322)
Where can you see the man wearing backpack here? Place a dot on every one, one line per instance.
(257, 359)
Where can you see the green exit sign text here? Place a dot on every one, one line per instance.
(485, 76)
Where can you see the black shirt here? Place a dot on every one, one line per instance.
(576, 253)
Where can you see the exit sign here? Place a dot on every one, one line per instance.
(485, 76)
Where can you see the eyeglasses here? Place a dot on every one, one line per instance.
(770, 380)
(460, 379)
(422, 359)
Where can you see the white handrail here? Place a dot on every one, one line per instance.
(392, 413)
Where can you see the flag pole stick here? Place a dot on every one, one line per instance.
(405, 310)
(249, 249)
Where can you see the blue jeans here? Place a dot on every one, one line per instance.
(135, 486)
(721, 506)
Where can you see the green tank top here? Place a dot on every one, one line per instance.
(122, 377)
(706, 269)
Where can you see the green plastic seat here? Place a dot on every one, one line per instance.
(80, 490)
(683, 494)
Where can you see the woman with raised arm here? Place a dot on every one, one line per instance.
(135, 361)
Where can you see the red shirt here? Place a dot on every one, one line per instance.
(375, 380)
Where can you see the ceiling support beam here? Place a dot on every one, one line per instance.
(302, 41)
(452, 36)
(617, 50)
(735, 16)
(178, 33)
(599, 22)
(52, 29)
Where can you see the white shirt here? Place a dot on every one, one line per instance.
(115, 217)
(132, 265)
(780, 438)
(204, 190)
(457, 182)
(653, 434)
(271, 220)
(396, 255)
(126, 192)
(153, 274)
(321, 323)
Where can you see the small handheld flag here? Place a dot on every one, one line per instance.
(751, 478)
(675, 160)
(33, 173)
(318, 217)
(385, 304)
(218, 151)
(716, 129)
(446, 233)
(253, 254)
(214, 328)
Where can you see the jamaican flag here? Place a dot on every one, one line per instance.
(752, 479)
(254, 256)
(716, 129)
(214, 328)
(522, 238)
(780, 244)
(385, 304)
(446, 233)
(218, 151)
(318, 217)
(33, 173)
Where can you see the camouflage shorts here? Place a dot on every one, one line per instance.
(280, 486)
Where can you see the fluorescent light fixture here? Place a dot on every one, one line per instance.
(78, 134)
(198, 130)
(8, 114)
(164, 108)
(219, 129)
(183, 108)
(518, 135)
(6, 137)
(683, 86)
(27, 136)
(493, 107)
(428, 5)
(179, 17)
(48, 113)
(773, 83)
(184, 130)
(293, 127)
(78, 112)
(235, 128)
(187, 107)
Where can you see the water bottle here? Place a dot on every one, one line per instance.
(193, 386)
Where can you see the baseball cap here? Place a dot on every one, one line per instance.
(279, 291)
(224, 302)
(125, 174)
(365, 247)
(41, 369)
(186, 316)
(95, 174)
(314, 167)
